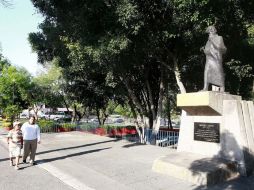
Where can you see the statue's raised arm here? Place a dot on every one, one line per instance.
(214, 49)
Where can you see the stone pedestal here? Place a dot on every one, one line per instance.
(201, 107)
(195, 168)
(215, 126)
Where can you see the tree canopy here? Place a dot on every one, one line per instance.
(14, 86)
(140, 50)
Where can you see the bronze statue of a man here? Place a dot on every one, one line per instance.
(214, 49)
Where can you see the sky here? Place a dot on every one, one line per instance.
(15, 25)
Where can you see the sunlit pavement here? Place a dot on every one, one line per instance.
(86, 161)
(27, 178)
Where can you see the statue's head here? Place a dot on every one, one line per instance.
(211, 29)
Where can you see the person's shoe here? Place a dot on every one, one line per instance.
(31, 162)
(16, 167)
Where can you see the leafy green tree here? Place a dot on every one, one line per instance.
(48, 89)
(145, 48)
(3, 62)
(14, 85)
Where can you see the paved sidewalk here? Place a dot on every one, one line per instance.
(27, 178)
(86, 161)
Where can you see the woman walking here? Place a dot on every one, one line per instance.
(15, 141)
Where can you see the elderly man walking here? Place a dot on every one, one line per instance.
(31, 136)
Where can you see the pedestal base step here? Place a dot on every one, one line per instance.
(196, 168)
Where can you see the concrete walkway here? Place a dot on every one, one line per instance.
(27, 178)
(86, 161)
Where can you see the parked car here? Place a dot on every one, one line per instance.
(55, 115)
(119, 120)
(63, 120)
(94, 120)
(23, 116)
(43, 116)
(116, 118)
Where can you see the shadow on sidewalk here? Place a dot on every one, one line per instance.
(70, 155)
(241, 183)
(73, 147)
(4, 159)
(132, 145)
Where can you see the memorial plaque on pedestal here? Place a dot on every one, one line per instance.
(208, 132)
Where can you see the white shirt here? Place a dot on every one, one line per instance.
(30, 132)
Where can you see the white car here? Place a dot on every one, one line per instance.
(54, 116)
(94, 120)
(116, 118)
(57, 115)
(23, 116)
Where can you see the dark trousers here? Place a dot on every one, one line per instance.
(30, 147)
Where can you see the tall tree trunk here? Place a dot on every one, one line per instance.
(66, 105)
(178, 76)
(76, 114)
(157, 121)
(86, 113)
(169, 117)
(140, 123)
(133, 96)
(35, 109)
(179, 83)
(135, 120)
(29, 109)
(176, 70)
(151, 102)
(104, 116)
(98, 115)
(142, 119)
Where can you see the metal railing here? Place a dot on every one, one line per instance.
(163, 138)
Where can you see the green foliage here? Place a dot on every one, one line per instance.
(239, 70)
(119, 50)
(88, 126)
(240, 74)
(123, 110)
(47, 88)
(6, 124)
(11, 110)
(110, 127)
(68, 126)
(14, 87)
(46, 124)
(3, 62)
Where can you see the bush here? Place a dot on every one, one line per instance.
(7, 119)
(68, 126)
(119, 130)
(88, 126)
(46, 125)
(63, 120)
(6, 124)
